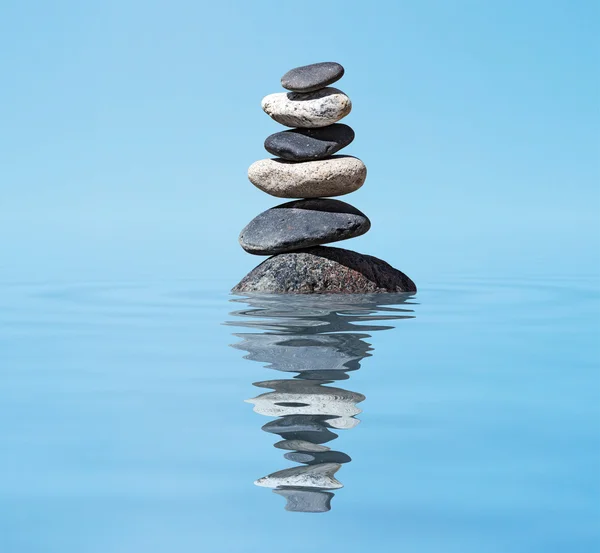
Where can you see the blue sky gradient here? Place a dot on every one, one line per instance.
(128, 126)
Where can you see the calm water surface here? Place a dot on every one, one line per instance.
(172, 417)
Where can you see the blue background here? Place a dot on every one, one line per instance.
(127, 128)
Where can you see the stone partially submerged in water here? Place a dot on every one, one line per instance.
(324, 270)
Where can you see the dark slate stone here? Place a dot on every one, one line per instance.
(312, 77)
(324, 270)
(302, 224)
(318, 457)
(309, 144)
(306, 501)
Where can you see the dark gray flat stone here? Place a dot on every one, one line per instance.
(309, 144)
(324, 270)
(302, 224)
(312, 77)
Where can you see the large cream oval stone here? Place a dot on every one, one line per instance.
(309, 110)
(334, 176)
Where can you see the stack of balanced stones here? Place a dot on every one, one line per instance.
(306, 168)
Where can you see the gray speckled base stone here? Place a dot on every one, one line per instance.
(324, 270)
(309, 144)
(302, 224)
(312, 77)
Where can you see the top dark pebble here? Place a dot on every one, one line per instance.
(309, 78)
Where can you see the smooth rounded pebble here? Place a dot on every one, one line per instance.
(312, 77)
(311, 110)
(324, 270)
(309, 144)
(302, 224)
(335, 176)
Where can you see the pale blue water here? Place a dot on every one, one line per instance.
(125, 430)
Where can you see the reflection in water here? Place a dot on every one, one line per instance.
(321, 339)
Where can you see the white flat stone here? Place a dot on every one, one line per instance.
(309, 110)
(335, 176)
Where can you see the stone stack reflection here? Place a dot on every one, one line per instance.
(319, 341)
